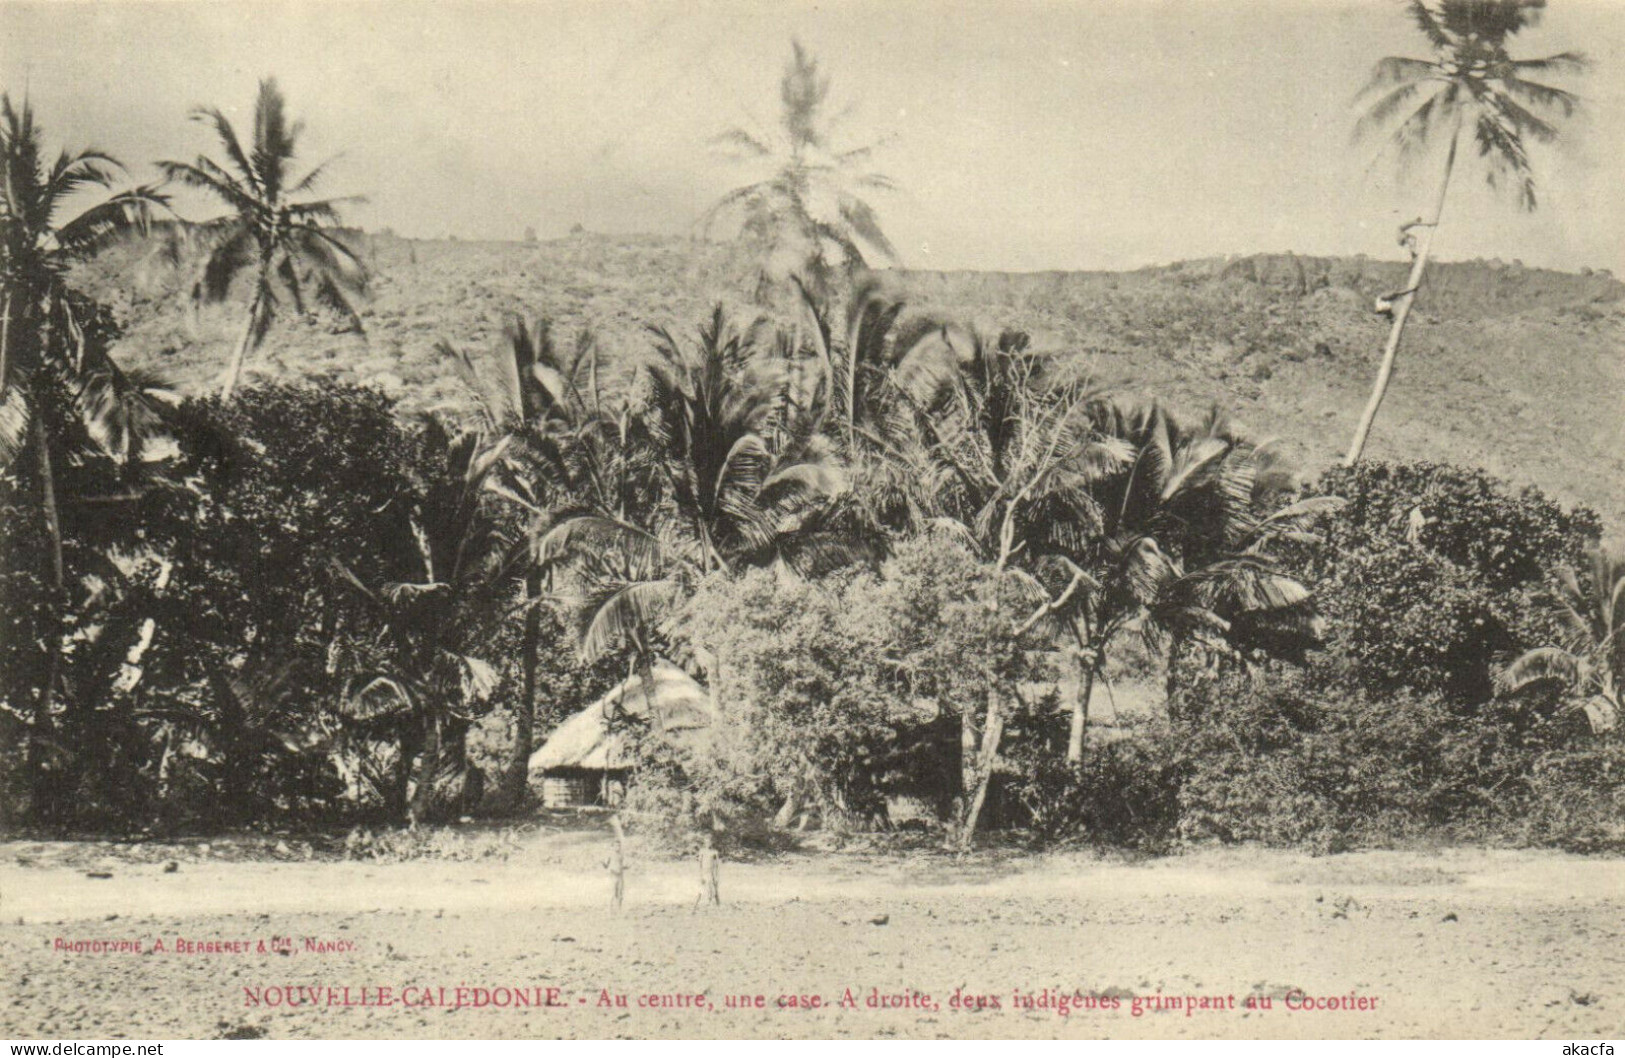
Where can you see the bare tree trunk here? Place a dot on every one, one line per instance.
(5, 341)
(53, 610)
(1080, 713)
(524, 721)
(235, 370)
(1092, 666)
(992, 732)
(422, 803)
(1402, 312)
(967, 753)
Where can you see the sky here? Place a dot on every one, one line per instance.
(1023, 135)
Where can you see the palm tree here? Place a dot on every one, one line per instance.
(1590, 663)
(806, 216)
(288, 247)
(875, 365)
(44, 325)
(1015, 463)
(1182, 556)
(535, 398)
(63, 400)
(745, 463)
(720, 467)
(1472, 87)
(424, 667)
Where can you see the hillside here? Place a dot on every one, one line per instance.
(1520, 371)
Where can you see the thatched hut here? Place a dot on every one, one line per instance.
(586, 762)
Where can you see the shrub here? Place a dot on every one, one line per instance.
(1306, 758)
(1123, 793)
(1431, 573)
(1574, 798)
(1473, 520)
(681, 789)
(847, 691)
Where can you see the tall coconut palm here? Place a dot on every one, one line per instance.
(43, 324)
(63, 400)
(1590, 663)
(806, 216)
(1471, 91)
(286, 246)
(535, 399)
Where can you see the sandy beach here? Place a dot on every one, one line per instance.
(1220, 943)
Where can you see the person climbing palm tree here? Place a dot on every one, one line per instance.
(1471, 91)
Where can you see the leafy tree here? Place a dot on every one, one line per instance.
(1430, 572)
(807, 217)
(254, 631)
(1472, 90)
(812, 706)
(288, 247)
(1505, 537)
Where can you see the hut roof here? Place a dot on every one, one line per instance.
(585, 741)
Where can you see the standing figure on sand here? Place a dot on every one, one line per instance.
(616, 864)
(710, 869)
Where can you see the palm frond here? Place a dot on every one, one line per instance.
(1383, 110)
(1540, 665)
(592, 533)
(1429, 24)
(204, 175)
(621, 612)
(229, 142)
(127, 213)
(371, 697)
(1541, 95)
(1563, 62)
(743, 141)
(15, 418)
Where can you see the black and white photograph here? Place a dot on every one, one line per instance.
(860, 519)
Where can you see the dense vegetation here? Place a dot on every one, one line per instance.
(902, 564)
(911, 555)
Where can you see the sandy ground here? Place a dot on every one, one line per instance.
(1453, 943)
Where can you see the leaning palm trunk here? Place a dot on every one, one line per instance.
(244, 343)
(1402, 311)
